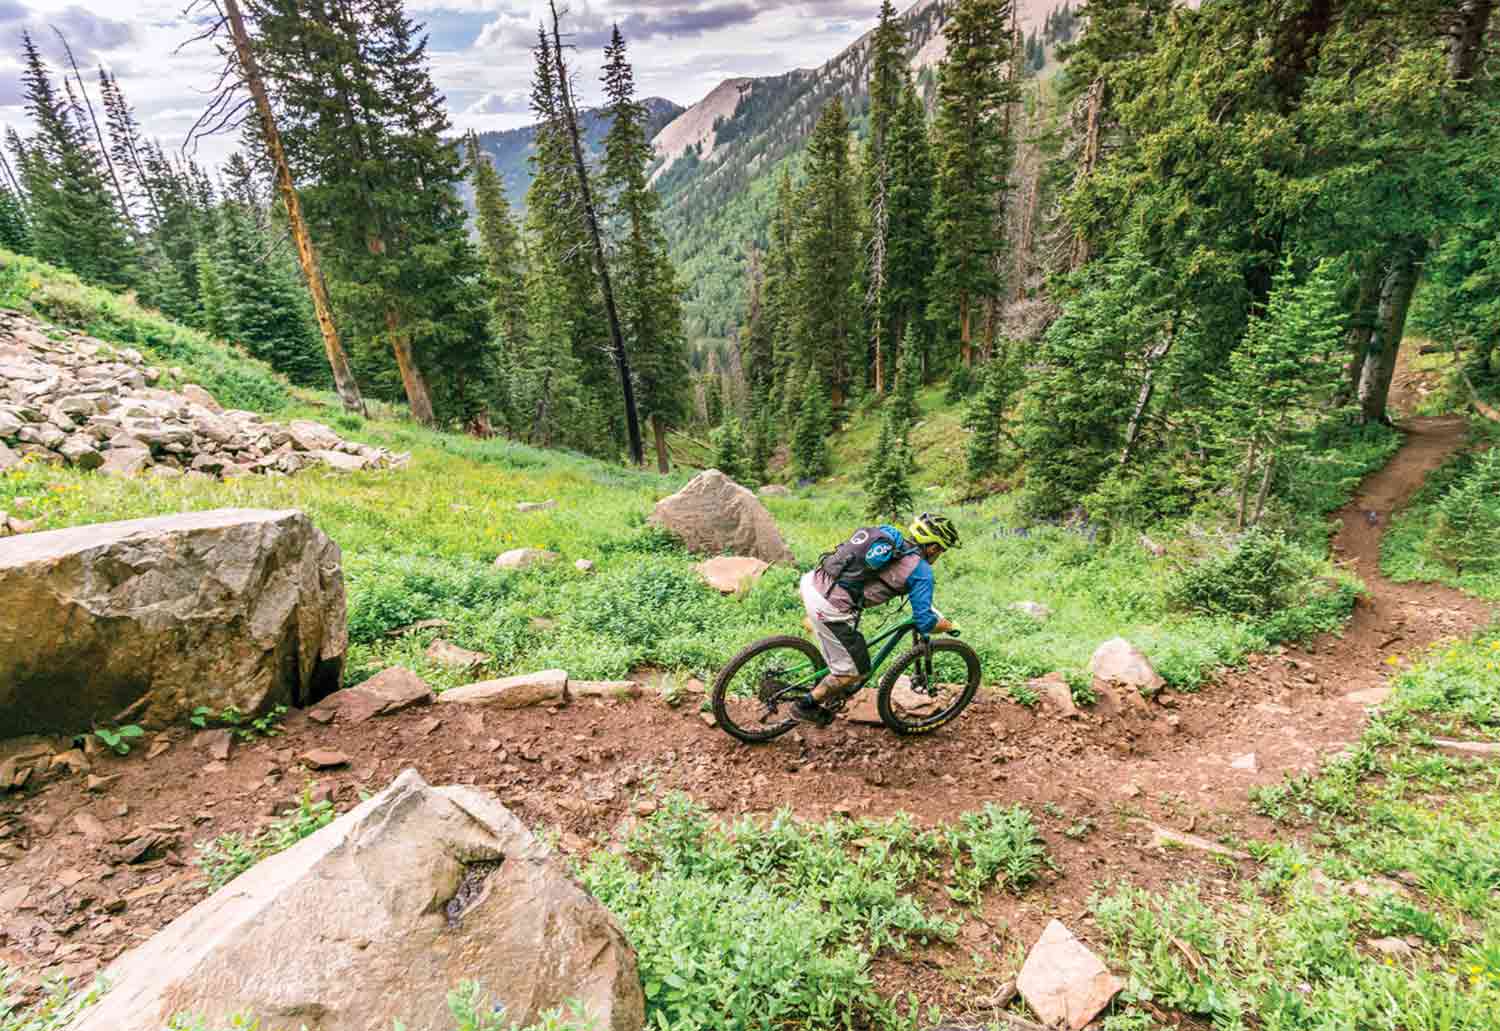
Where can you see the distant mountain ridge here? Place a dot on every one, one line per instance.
(510, 150)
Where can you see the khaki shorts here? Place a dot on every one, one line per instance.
(838, 640)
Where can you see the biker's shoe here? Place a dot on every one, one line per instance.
(808, 711)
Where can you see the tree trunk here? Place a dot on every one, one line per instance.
(663, 464)
(1265, 489)
(1239, 521)
(338, 361)
(1081, 250)
(1361, 329)
(622, 361)
(1143, 400)
(1390, 325)
(412, 379)
(965, 346)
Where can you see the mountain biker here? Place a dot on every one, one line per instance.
(874, 565)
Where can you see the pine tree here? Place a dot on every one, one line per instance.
(355, 90)
(650, 299)
(555, 228)
(14, 233)
(888, 488)
(250, 296)
(886, 84)
(910, 253)
(762, 446)
(75, 219)
(1289, 362)
(986, 416)
(973, 163)
(825, 312)
(780, 297)
(499, 244)
(729, 449)
(814, 424)
(903, 401)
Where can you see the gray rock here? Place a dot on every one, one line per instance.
(198, 396)
(209, 463)
(231, 607)
(389, 907)
(548, 687)
(1064, 983)
(1035, 609)
(338, 461)
(8, 458)
(312, 436)
(78, 406)
(713, 515)
(536, 506)
(10, 423)
(525, 558)
(774, 490)
(42, 433)
(166, 472)
(79, 450)
(1118, 662)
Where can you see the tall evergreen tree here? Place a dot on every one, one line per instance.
(973, 163)
(825, 312)
(650, 301)
(75, 218)
(500, 246)
(910, 253)
(886, 84)
(251, 296)
(354, 87)
(887, 477)
(810, 450)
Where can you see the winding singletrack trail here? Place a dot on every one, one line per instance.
(589, 770)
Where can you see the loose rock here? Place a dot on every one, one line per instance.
(536, 506)
(1064, 983)
(1119, 662)
(324, 759)
(445, 653)
(231, 607)
(730, 575)
(545, 688)
(1035, 609)
(525, 558)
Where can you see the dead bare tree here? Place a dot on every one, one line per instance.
(601, 264)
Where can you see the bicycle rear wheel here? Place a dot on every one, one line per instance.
(754, 694)
(928, 686)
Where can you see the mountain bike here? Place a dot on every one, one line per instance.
(929, 685)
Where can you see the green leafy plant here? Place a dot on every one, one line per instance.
(994, 846)
(229, 855)
(118, 738)
(245, 728)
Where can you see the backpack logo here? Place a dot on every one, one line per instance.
(859, 538)
(879, 551)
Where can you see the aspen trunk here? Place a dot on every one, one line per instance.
(338, 361)
(1265, 490)
(663, 463)
(1239, 522)
(1361, 329)
(412, 380)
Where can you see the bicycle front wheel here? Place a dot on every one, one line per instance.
(928, 686)
(754, 694)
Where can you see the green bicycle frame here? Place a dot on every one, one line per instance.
(891, 639)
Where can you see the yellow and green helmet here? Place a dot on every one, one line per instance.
(932, 528)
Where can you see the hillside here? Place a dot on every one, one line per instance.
(510, 151)
(1173, 834)
(719, 163)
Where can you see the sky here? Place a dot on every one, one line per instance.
(480, 50)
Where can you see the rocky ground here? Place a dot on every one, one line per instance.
(75, 400)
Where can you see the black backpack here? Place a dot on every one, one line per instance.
(848, 565)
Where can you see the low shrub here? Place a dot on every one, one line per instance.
(1260, 575)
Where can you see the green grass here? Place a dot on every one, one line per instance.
(775, 925)
(1450, 533)
(229, 855)
(1407, 846)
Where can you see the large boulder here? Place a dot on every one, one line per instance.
(375, 919)
(158, 616)
(713, 515)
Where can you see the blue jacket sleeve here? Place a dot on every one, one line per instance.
(919, 588)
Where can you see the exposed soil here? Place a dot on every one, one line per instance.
(70, 900)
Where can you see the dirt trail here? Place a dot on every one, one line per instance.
(590, 769)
